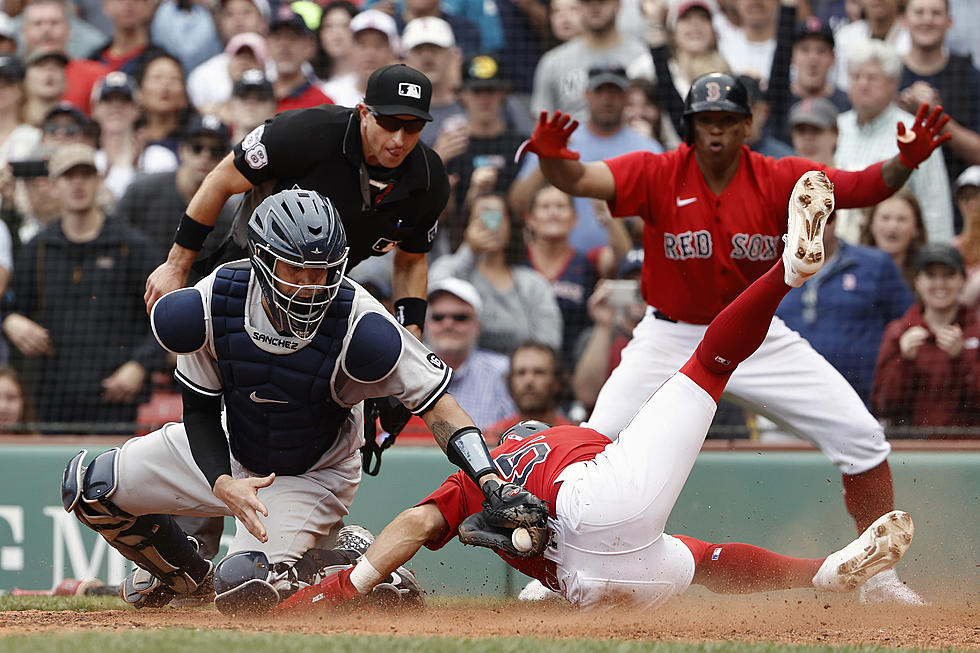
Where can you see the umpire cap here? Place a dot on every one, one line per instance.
(717, 92)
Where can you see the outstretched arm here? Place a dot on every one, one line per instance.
(201, 215)
(404, 536)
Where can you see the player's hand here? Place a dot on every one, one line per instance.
(550, 138)
(29, 337)
(915, 145)
(950, 340)
(241, 497)
(168, 276)
(910, 341)
(125, 383)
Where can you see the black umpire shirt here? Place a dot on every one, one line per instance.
(320, 149)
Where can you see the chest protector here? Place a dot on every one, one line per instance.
(281, 414)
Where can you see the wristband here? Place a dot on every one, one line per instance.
(191, 234)
(467, 449)
(411, 310)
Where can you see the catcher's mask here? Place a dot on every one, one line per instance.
(301, 229)
(522, 430)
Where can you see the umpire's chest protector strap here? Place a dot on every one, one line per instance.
(178, 321)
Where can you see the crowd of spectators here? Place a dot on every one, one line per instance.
(112, 114)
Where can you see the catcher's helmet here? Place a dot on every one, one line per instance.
(302, 229)
(522, 430)
(717, 92)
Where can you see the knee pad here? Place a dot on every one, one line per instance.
(154, 542)
(243, 584)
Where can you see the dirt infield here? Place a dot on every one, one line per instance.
(785, 618)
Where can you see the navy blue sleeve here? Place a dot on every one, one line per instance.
(374, 348)
(178, 321)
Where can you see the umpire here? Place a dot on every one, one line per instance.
(388, 187)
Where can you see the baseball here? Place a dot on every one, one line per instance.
(521, 539)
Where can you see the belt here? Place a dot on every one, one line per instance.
(660, 316)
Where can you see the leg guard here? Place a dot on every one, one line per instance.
(154, 542)
(243, 584)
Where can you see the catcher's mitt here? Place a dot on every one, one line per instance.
(507, 507)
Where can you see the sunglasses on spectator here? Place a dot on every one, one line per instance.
(52, 128)
(214, 151)
(456, 317)
(394, 124)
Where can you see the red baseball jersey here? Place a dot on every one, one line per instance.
(700, 249)
(534, 463)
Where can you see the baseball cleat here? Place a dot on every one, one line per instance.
(879, 547)
(887, 587)
(141, 589)
(355, 538)
(810, 205)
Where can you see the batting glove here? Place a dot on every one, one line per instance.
(550, 138)
(915, 145)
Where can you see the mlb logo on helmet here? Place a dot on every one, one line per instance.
(410, 90)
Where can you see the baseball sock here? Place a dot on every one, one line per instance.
(869, 495)
(736, 568)
(364, 576)
(736, 332)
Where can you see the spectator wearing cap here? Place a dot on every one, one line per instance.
(518, 302)
(930, 73)
(115, 110)
(562, 74)
(335, 41)
(867, 135)
(967, 194)
(376, 44)
(759, 138)
(53, 25)
(46, 28)
(843, 310)
(74, 283)
(606, 135)
(151, 201)
(428, 45)
(186, 30)
(813, 129)
(64, 123)
(453, 324)
(252, 103)
(465, 31)
(210, 84)
(808, 49)
(614, 313)
(292, 45)
(487, 164)
(18, 138)
(881, 21)
(44, 83)
(130, 47)
(388, 188)
(928, 369)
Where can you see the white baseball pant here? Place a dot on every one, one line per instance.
(785, 379)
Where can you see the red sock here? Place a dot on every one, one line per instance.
(736, 332)
(869, 495)
(736, 568)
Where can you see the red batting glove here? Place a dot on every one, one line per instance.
(916, 145)
(332, 590)
(550, 138)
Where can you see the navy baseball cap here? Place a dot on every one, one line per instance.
(483, 71)
(115, 83)
(813, 27)
(632, 262)
(207, 125)
(11, 69)
(609, 74)
(397, 89)
(67, 109)
(286, 18)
